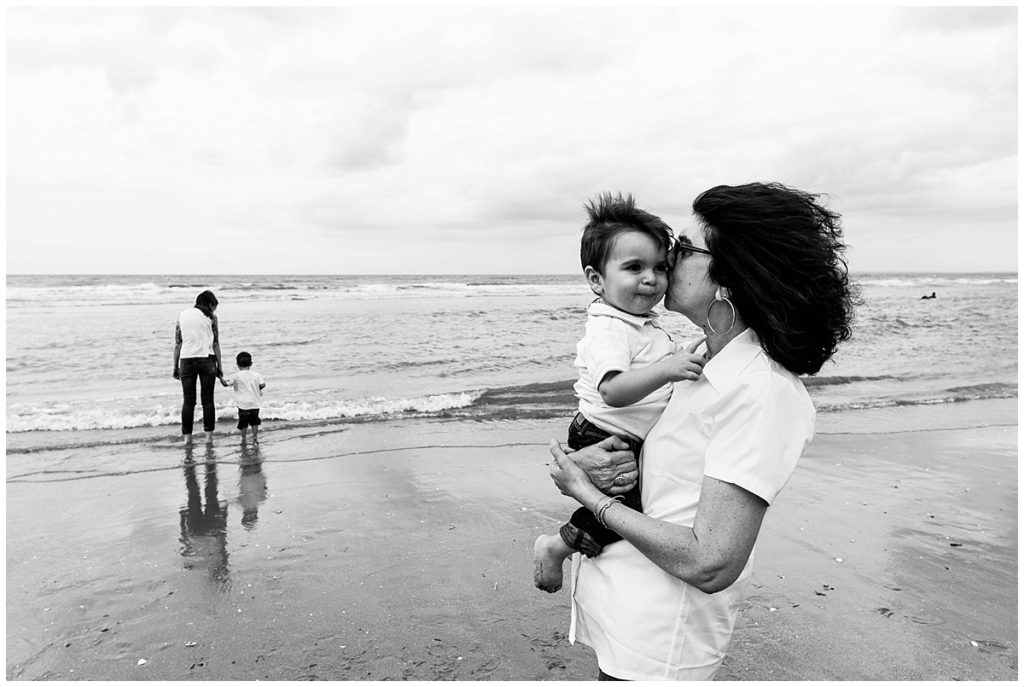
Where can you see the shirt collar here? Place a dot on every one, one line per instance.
(601, 309)
(726, 366)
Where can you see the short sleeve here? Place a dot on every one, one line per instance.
(605, 347)
(759, 430)
(259, 379)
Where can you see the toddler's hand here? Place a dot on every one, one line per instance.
(685, 365)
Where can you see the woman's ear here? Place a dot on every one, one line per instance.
(721, 293)
(595, 280)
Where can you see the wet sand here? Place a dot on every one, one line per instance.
(403, 551)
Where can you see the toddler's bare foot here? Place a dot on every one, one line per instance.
(548, 553)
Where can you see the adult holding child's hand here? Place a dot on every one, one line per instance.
(762, 274)
(197, 357)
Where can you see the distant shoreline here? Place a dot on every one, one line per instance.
(918, 273)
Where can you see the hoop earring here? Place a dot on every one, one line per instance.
(718, 299)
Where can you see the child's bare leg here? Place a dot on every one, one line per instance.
(549, 552)
(254, 429)
(243, 431)
(188, 439)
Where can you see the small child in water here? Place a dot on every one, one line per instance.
(626, 362)
(248, 386)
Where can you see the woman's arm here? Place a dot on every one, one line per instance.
(216, 349)
(177, 350)
(709, 556)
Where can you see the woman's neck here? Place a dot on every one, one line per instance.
(716, 342)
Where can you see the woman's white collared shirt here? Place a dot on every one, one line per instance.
(745, 421)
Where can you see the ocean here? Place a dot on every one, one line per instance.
(94, 353)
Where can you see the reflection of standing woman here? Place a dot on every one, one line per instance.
(204, 526)
(197, 349)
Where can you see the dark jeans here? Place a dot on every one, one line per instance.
(595, 536)
(205, 369)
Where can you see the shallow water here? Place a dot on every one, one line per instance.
(94, 352)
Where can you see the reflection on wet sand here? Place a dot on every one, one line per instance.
(252, 483)
(204, 520)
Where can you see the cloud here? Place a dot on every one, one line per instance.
(349, 127)
(947, 20)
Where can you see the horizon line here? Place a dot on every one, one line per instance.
(418, 274)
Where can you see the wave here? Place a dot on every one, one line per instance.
(24, 291)
(370, 407)
(978, 392)
(122, 291)
(293, 343)
(554, 399)
(850, 379)
(937, 280)
(538, 400)
(93, 415)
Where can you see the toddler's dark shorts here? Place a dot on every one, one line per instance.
(250, 417)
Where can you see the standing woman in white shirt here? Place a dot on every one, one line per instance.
(197, 356)
(762, 273)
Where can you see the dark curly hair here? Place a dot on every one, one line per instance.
(611, 215)
(780, 254)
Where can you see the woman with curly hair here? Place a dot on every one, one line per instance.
(762, 274)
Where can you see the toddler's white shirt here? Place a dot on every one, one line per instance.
(616, 341)
(246, 384)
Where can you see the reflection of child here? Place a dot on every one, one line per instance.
(252, 484)
(248, 386)
(626, 361)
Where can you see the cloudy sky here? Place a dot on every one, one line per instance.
(465, 140)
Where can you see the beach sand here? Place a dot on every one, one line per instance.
(402, 550)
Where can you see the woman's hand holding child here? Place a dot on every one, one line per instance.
(608, 466)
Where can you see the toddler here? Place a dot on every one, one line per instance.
(248, 386)
(626, 362)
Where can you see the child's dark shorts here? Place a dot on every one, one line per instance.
(583, 532)
(248, 417)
